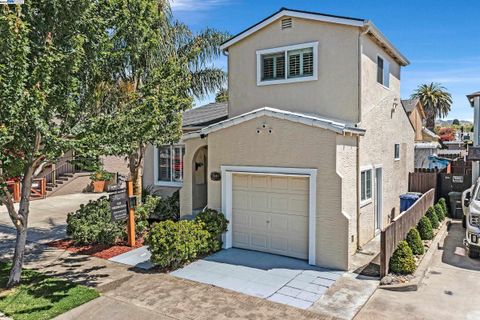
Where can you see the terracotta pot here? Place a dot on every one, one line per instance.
(98, 186)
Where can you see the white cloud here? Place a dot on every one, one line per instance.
(195, 5)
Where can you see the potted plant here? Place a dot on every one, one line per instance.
(99, 178)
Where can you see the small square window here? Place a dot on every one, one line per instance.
(397, 152)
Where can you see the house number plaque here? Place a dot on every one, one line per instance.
(215, 176)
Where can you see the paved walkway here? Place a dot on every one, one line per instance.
(449, 290)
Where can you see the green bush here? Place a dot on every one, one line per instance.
(439, 212)
(143, 213)
(92, 224)
(415, 242)
(443, 203)
(216, 224)
(168, 208)
(432, 216)
(402, 260)
(425, 229)
(174, 243)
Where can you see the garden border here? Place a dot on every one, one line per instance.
(424, 264)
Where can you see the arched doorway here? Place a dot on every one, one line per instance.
(199, 179)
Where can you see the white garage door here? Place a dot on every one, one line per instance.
(270, 214)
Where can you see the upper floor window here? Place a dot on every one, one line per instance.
(287, 64)
(169, 164)
(383, 72)
(397, 151)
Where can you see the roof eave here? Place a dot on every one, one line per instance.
(388, 45)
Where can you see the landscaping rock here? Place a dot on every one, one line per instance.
(388, 279)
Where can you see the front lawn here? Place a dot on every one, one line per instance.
(40, 296)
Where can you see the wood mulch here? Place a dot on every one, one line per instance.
(97, 250)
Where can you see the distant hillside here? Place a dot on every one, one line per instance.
(448, 123)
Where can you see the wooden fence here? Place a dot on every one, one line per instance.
(397, 231)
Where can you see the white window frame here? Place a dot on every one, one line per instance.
(366, 201)
(285, 49)
(395, 151)
(159, 183)
(386, 72)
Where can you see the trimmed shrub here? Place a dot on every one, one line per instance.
(167, 208)
(443, 203)
(432, 216)
(415, 242)
(439, 212)
(172, 244)
(425, 229)
(402, 260)
(216, 224)
(143, 213)
(92, 224)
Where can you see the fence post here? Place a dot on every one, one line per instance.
(383, 255)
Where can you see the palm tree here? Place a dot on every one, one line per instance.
(436, 101)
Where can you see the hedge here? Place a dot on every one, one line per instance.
(432, 216)
(402, 261)
(439, 212)
(415, 242)
(425, 229)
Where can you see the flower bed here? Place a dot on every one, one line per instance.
(96, 250)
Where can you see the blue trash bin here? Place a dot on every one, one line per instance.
(407, 200)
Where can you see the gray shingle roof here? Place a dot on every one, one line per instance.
(205, 115)
(409, 104)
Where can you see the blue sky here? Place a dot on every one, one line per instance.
(441, 38)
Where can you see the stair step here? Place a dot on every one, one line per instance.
(63, 178)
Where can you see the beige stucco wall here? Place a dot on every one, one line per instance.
(334, 94)
(386, 125)
(290, 145)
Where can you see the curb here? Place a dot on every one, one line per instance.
(424, 265)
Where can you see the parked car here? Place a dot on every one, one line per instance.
(471, 219)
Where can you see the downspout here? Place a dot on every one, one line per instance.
(359, 105)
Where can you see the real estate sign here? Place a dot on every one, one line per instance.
(118, 204)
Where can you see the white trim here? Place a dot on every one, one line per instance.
(294, 14)
(156, 182)
(314, 121)
(378, 199)
(285, 49)
(368, 25)
(367, 201)
(227, 173)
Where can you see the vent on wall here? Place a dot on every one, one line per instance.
(286, 23)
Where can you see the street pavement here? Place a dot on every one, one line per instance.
(449, 290)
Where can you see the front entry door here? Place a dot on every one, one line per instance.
(378, 198)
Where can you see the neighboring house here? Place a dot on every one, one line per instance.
(316, 148)
(426, 142)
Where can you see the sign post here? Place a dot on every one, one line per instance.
(131, 215)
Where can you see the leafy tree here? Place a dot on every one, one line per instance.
(155, 67)
(47, 66)
(436, 100)
(455, 122)
(222, 95)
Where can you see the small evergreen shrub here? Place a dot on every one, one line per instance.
(172, 244)
(432, 216)
(415, 242)
(168, 208)
(92, 224)
(425, 229)
(216, 224)
(439, 212)
(443, 203)
(402, 260)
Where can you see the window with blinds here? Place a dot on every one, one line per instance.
(170, 163)
(300, 63)
(273, 66)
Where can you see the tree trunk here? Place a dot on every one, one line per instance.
(21, 225)
(136, 172)
(430, 123)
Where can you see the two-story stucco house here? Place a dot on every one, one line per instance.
(316, 148)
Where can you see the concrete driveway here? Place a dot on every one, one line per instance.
(47, 220)
(449, 290)
(276, 278)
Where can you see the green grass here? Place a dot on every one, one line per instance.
(39, 296)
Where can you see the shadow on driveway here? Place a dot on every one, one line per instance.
(454, 252)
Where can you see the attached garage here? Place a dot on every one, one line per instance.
(270, 213)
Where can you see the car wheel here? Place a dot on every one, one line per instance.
(464, 222)
(473, 254)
